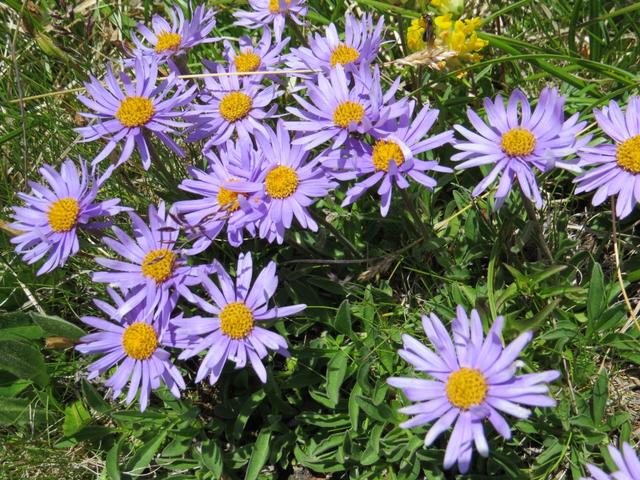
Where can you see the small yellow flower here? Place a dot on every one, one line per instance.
(443, 22)
(415, 34)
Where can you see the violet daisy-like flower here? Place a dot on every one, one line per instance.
(627, 462)
(134, 345)
(394, 156)
(176, 38)
(231, 104)
(472, 379)
(516, 141)
(252, 58)
(233, 333)
(49, 221)
(272, 14)
(340, 106)
(360, 46)
(131, 114)
(218, 207)
(290, 183)
(153, 268)
(617, 165)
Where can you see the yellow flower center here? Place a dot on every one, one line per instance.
(228, 200)
(247, 61)
(385, 150)
(344, 54)
(63, 214)
(274, 6)
(281, 182)
(135, 111)
(628, 154)
(168, 41)
(466, 387)
(158, 264)
(348, 112)
(518, 142)
(235, 106)
(139, 340)
(236, 320)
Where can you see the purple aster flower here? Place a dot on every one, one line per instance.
(133, 345)
(361, 43)
(231, 104)
(272, 14)
(218, 206)
(289, 183)
(516, 141)
(49, 222)
(472, 379)
(176, 38)
(253, 58)
(618, 165)
(134, 114)
(153, 268)
(339, 107)
(232, 333)
(626, 461)
(394, 155)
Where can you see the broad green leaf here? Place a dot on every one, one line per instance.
(600, 396)
(23, 360)
(596, 297)
(211, 458)
(112, 464)
(245, 412)
(144, 454)
(56, 326)
(336, 371)
(76, 416)
(343, 318)
(19, 411)
(94, 399)
(259, 455)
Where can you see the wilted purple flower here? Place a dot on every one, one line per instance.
(473, 379)
(204, 218)
(394, 155)
(49, 221)
(272, 14)
(231, 104)
(360, 46)
(153, 268)
(232, 332)
(626, 461)
(618, 170)
(133, 114)
(516, 141)
(133, 345)
(261, 57)
(176, 38)
(339, 107)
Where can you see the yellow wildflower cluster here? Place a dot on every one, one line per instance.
(455, 35)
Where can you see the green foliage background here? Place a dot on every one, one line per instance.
(327, 412)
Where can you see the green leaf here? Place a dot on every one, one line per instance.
(245, 412)
(94, 399)
(259, 455)
(143, 455)
(19, 411)
(336, 371)
(76, 416)
(18, 325)
(596, 297)
(23, 360)
(113, 470)
(56, 326)
(600, 395)
(211, 458)
(343, 318)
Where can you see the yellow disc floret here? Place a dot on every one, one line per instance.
(348, 112)
(344, 54)
(236, 320)
(135, 111)
(235, 106)
(385, 150)
(247, 61)
(63, 214)
(158, 264)
(168, 41)
(274, 6)
(466, 387)
(139, 340)
(228, 200)
(281, 182)
(628, 155)
(518, 142)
